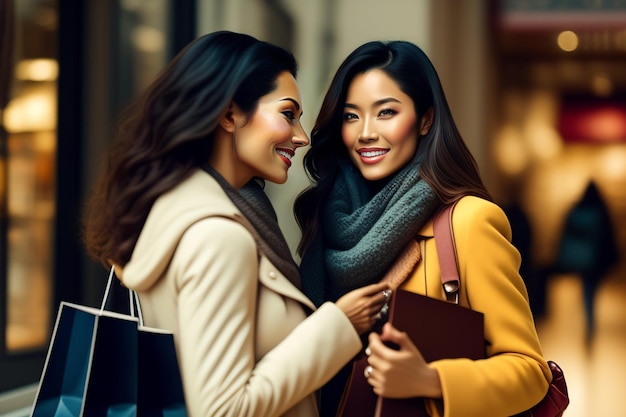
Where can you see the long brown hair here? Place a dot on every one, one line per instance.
(168, 132)
(446, 162)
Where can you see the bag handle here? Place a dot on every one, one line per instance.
(446, 251)
(133, 299)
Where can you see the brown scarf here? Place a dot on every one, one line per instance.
(404, 265)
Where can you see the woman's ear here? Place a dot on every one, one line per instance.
(229, 117)
(427, 121)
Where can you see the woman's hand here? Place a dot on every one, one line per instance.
(401, 373)
(362, 306)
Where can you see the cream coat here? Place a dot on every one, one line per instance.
(245, 344)
(515, 376)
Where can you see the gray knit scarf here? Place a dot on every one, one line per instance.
(254, 204)
(364, 227)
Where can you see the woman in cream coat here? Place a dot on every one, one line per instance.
(180, 213)
(387, 155)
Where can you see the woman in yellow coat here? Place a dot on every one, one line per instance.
(386, 156)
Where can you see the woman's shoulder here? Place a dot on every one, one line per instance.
(470, 204)
(199, 194)
(196, 213)
(470, 211)
(199, 185)
(473, 212)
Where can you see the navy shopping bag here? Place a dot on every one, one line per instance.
(102, 363)
(91, 367)
(160, 385)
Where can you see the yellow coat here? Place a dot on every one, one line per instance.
(515, 376)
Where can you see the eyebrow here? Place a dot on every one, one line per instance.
(376, 103)
(295, 103)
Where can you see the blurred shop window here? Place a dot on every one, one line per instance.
(27, 179)
(142, 46)
(28, 151)
(57, 105)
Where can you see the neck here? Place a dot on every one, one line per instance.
(224, 160)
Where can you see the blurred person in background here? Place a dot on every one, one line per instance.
(588, 248)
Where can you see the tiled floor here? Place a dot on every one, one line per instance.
(595, 373)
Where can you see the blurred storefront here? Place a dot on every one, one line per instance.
(66, 68)
(561, 122)
(560, 130)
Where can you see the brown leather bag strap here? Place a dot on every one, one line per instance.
(446, 251)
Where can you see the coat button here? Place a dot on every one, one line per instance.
(272, 275)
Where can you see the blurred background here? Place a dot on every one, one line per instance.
(537, 87)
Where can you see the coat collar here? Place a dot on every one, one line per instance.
(427, 231)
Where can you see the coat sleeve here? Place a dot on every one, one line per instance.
(216, 269)
(515, 376)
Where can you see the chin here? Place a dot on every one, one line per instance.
(374, 176)
(278, 180)
(374, 173)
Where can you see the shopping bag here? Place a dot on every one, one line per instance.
(160, 386)
(91, 366)
(103, 363)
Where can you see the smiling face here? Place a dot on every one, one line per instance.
(265, 142)
(380, 127)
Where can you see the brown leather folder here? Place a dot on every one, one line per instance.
(439, 329)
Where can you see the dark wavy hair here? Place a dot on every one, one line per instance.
(446, 162)
(169, 131)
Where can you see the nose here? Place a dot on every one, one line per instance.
(367, 133)
(300, 138)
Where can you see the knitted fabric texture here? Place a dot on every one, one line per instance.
(254, 204)
(364, 227)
